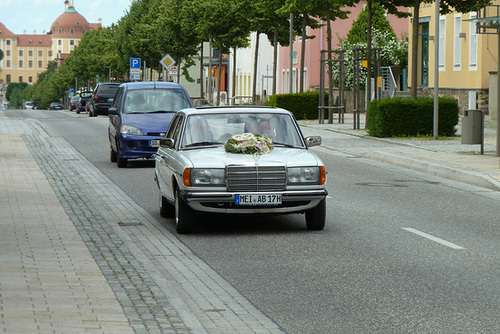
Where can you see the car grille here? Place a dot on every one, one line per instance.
(256, 178)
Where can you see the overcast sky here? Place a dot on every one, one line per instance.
(30, 15)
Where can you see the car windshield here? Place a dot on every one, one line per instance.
(155, 100)
(217, 129)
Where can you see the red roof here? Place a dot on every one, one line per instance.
(34, 40)
(4, 32)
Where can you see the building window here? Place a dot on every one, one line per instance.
(20, 53)
(59, 42)
(72, 30)
(30, 53)
(60, 30)
(21, 64)
(40, 53)
(8, 63)
(20, 79)
(83, 30)
(442, 42)
(30, 63)
(31, 41)
(8, 42)
(8, 53)
(472, 43)
(457, 43)
(40, 64)
(72, 42)
(39, 41)
(8, 78)
(50, 53)
(30, 79)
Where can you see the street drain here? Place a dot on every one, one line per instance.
(129, 224)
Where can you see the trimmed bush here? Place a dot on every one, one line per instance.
(411, 117)
(302, 105)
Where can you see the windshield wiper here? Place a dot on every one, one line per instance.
(282, 144)
(161, 112)
(204, 143)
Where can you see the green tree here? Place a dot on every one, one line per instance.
(15, 93)
(359, 28)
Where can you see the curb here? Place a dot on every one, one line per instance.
(475, 179)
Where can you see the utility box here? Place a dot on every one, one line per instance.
(472, 127)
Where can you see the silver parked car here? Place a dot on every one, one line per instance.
(239, 160)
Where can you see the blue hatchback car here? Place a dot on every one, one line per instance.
(140, 116)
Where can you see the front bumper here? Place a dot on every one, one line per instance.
(224, 202)
(137, 147)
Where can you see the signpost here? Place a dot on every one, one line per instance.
(167, 62)
(135, 68)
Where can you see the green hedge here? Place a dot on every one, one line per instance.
(302, 105)
(411, 117)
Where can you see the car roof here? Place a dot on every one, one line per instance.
(234, 109)
(151, 84)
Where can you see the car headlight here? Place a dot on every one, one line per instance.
(204, 177)
(306, 175)
(130, 130)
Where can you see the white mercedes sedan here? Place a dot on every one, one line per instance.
(238, 160)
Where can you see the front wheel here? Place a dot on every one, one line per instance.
(316, 218)
(167, 210)
(113, 156)
(184, 215)
(122, 162)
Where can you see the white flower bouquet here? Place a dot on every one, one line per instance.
(249, 143)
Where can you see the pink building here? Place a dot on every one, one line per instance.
(314, 47)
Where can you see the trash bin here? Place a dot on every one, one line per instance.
(472, 127)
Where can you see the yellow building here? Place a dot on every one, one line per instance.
(26, 56)
(466, 57)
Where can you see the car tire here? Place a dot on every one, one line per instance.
(122, 162)
(184, 215)
(316, 218)
(113, 156)
(167, 210)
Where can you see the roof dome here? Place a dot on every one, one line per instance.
(70, 24)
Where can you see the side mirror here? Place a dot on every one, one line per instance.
(167, 142)
(112, 111)
(313, 141)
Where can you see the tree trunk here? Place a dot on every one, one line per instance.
(303, 53)
(179, 70)
(414, 49)
(330, 63)
(202, 74)
(233, 86)
(255, 59)
(275, 57)
(369, 55)
(219, 75)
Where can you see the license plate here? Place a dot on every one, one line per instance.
(258, 199)
(154, 143)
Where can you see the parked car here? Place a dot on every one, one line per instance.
(29, 105)
(56, 106)
(140, 116)
(84, 100)
(102, 98)
(4, 107)
(239, 160)
(73, 103)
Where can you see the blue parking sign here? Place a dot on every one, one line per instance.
(135, 62)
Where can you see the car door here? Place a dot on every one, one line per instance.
(115, 119)
(165, 156)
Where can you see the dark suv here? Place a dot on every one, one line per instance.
(102, 98)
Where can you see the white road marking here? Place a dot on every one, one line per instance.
(430, 237)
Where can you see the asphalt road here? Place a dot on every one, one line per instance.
(401, 252)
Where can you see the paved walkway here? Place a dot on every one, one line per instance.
(78, 255)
